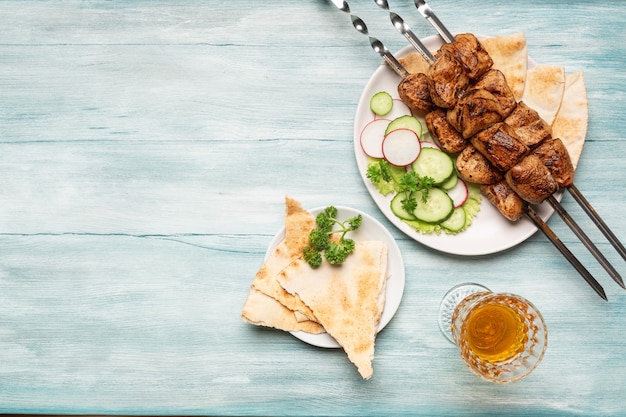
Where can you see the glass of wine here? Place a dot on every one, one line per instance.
(501, 337)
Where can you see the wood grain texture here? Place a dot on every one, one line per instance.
(145, 152)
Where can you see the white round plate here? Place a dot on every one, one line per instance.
(370, 229)
(490, 232)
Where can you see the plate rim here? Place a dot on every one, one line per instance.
(394, 257)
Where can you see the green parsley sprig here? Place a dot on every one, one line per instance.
(409, 184)
(379, 172)
(321, 246)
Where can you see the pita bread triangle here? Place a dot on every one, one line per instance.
(570, 123)
(268, 303)
(510, 55)
(345, 299)
(545, 85)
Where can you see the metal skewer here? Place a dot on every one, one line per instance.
(377, 45)
(582, 236)
(405, 30)
(428, 13)
(587, 208)
(532, 214)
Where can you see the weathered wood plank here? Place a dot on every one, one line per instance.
(145, 152)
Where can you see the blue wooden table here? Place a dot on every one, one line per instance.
(145, 152)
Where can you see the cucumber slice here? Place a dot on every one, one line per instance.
(398, 210)
(381, 103)
(451, 182)
(437, 207)
(435, 164)
(405, 122)
(456, 221)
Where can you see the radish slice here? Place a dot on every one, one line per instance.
(401, 147)
(372, 137)
(428, 144)
(458, 193)
(398, 109)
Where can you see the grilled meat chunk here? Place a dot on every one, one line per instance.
(500, 145)
(444, 133)
(476, 110)
(447, 78)
(495, 82)
(414, 91)
(472, 166)
(502, 196)
(555, 157)
(488, 101)
(531, 180)
(470, 53)
(529, 126)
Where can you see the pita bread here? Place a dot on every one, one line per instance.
(298, 224)
(570, 124)
(263, 310)
(346, 299)
(415, 63)
(510, 55)
(545, 85)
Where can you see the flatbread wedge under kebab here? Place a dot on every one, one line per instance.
(510, 55)
(545, 85)
(347, 300)
(570, 124)
(268, 303)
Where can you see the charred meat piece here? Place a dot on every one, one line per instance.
(500, 145)
(509, 204)
(475, 111)
(414, 91)
(555, 157)
(495, 82)
(529, 126)
(448, 80)
(472, 166)
(443, 132)
(470, 53)
(531, 180)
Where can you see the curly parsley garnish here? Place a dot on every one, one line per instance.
(320, 245)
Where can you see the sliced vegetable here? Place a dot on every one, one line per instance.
(405, 122)
(372, 137)
(435, 164)
(451, 182)
(456, 221)
(381, 103)
(459, 193)
(437, 207)
(398, 208)
(401, 147)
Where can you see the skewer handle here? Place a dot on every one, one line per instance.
(430, 16)
(585, 240)
(391, 60)
(566, 252)
(595, 217)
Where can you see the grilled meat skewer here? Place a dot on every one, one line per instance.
(529, 178)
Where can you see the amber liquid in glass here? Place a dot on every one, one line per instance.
(495, 332)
